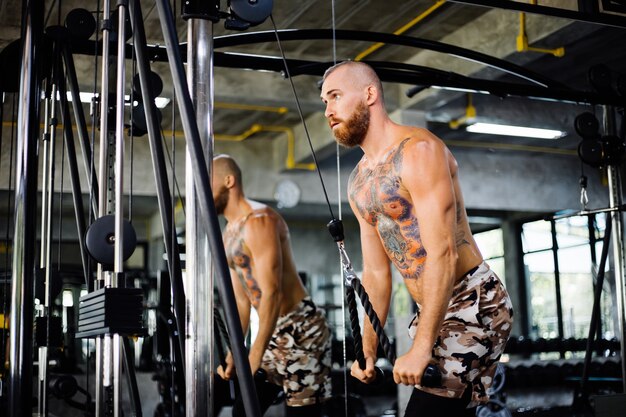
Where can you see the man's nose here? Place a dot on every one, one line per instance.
(329, 111)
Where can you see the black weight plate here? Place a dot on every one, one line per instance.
(101, 243)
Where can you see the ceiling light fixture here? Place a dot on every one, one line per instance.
(510, 130)
(160, 102)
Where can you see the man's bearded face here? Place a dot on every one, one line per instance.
(354, 129)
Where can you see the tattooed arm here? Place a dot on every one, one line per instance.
(426, 175)
(262, 238)
(377, 282)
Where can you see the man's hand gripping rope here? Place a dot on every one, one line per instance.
(366, 371)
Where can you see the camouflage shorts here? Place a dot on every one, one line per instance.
(475, 330)
(298, 355)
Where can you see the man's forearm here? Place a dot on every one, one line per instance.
(268, 312)
(438, 282)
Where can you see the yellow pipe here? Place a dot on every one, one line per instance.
(255, 128)
(522, 39)
(470, 115)
(403, 29)
(290, 163)
(237, 106)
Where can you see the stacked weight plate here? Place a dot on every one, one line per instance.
(111, 311)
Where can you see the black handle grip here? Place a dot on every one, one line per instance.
(431, 377)
(335, 227)
(260, 375)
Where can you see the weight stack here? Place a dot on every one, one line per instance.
(111, 311)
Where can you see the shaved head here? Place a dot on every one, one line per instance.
(361, 75)
(224, 165)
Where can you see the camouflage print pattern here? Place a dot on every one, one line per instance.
(298, 355)
(474, 333)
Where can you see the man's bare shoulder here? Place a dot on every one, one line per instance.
(419, 136)
(263, 222)
(424, 150)
(262, 216)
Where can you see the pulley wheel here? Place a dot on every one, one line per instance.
(252, 11)
(615, 149)
(600, 78)
(100, 240)
(80, 23)
(591, 152)
(155, 83)
(587, 125)
(64, 387)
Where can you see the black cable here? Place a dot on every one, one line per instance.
(306, 130)
(61, 195)
(172, 162)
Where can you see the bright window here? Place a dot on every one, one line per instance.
(492, 248)
(575, 276)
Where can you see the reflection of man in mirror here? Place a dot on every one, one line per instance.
(406, 195)
(293, 341)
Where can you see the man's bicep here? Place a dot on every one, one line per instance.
(429, 183)
(238, 289)
(264, 243)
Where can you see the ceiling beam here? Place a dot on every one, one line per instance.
(604, 19)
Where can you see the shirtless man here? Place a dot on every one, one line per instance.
(293, 340)
(405, 193)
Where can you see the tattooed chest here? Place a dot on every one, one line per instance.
(235, 253)
(377, 193)
(381, 202)
(239, 260)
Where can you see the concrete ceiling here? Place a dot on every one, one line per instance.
(245, 98)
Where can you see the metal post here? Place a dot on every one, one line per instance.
(22, 291)
(118, 265)
(46, 238)
(162, 183)
(615, 200)
(47, 167)
(103, 343)
(199, 277)
(207, 210)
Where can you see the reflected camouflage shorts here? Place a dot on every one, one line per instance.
(298, 355)
(474, 333)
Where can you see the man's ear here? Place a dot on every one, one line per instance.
(229, 181)
(371, 95)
